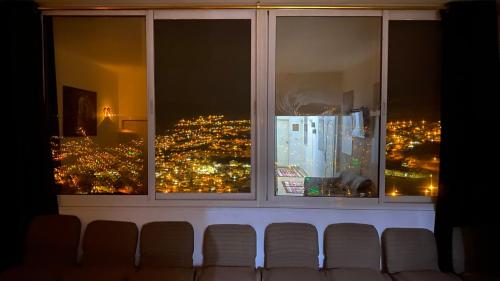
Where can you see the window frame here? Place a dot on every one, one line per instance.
(101, 200)
(201, 15)
(262, 67)
(272, 198)
(388, 16)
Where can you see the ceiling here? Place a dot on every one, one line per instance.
(122, 40)
(237, 2)
(104, 40)
(325, 44)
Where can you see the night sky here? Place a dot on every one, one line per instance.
(414, 70)
(201, 67)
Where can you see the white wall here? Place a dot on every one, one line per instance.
(364, 79)
(78, 72)
(259, 218)
(131, 87)
(309, 87)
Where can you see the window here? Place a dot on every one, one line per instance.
(326, 104)
(263, 108)
(99, 146)
(413, 129)
(203, 104)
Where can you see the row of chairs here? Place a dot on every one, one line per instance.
(352, 252)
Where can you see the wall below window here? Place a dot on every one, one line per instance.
(259, 218)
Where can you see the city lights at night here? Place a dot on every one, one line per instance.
(204, 154)
(211, 154)
(412, 157)
(83, 166)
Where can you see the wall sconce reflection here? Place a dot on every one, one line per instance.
(107, 111)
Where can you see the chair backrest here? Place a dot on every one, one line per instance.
(458, 250)
(475, 248)
(351, 245)
(109, 243)
(52, 240)
(167, 244)
(409, 249)
(229, 245)
(291, 245)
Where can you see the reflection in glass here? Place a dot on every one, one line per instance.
(100, 144)
(327, 106)
(413, 133)
(202, 100)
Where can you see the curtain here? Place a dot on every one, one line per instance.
(469, 187)
(28, 187)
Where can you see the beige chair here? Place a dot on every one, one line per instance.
(108, 252)
(51, 248)
(229, 252)
(166, 252)
(352, 252)
(410, 254)
(291, 253)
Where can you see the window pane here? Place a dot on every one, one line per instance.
(327, 106)
(203, 105)
(413, 114)
(101, 95)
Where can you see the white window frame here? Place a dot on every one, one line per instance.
(262, 91)
(99, 200)
(283, 200)
(388, 16)
(203, 15)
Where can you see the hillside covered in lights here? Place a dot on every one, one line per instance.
(204, 154)
(412, 157)
(84, 166)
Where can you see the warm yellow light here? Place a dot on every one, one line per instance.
(107, 111)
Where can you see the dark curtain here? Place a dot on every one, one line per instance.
(28, 187)
(469, 188)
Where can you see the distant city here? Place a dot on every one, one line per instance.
(204, 154)
(211, 154)
(412, 157)
(83, 166)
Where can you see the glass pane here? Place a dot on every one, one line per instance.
(327, 106)
(413, 109)
(203, 105)
(100, 63)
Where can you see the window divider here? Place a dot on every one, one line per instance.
(150, 66)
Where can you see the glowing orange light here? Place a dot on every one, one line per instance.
(107, 111)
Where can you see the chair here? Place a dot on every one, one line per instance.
(108, 252)
(166, 252)
(474, 253)
(291, 253)
(410, 254)
(229, 252)
(352, 252)
(51, 247)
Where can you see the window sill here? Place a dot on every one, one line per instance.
(314, 203)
